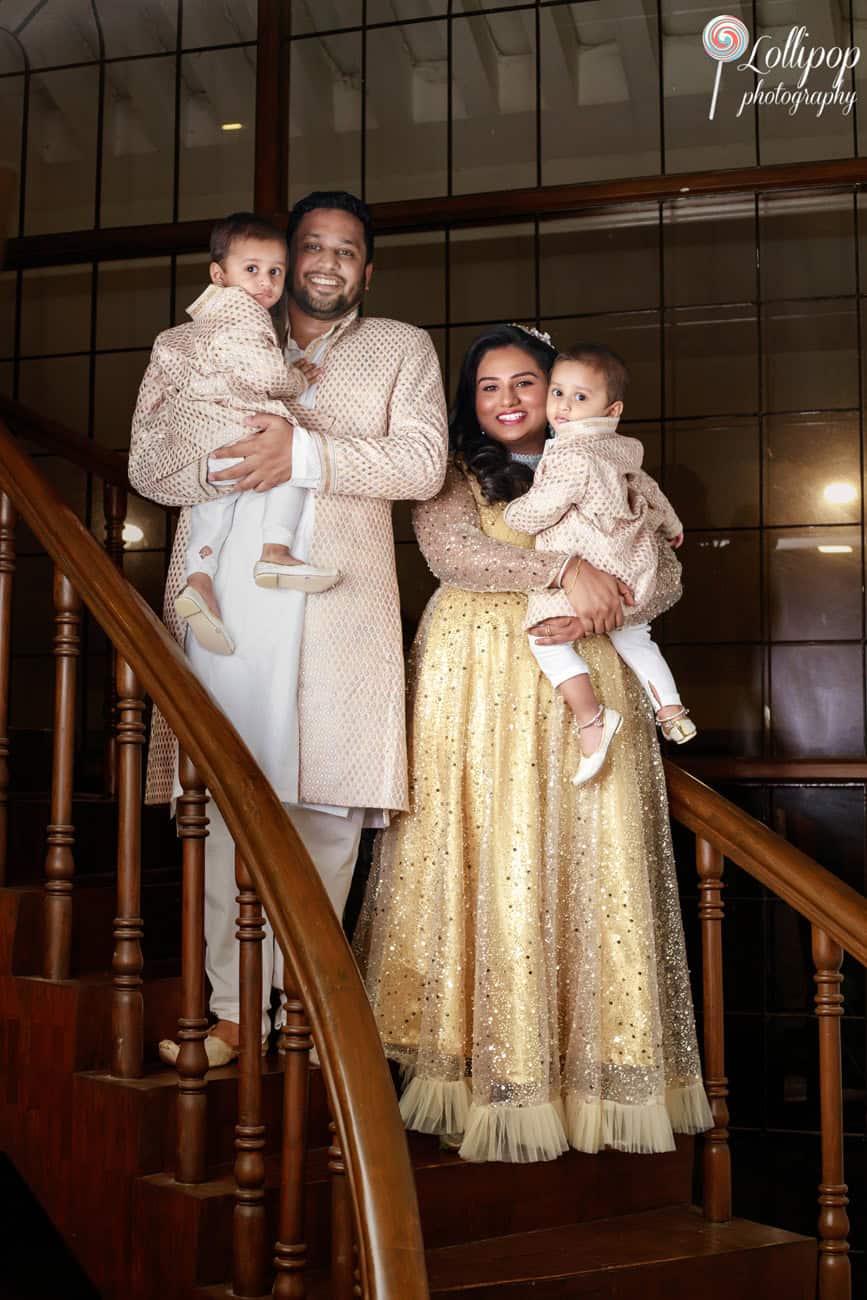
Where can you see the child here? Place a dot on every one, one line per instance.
(230, 357)
(590, 496)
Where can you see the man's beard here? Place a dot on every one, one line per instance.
(336, 307)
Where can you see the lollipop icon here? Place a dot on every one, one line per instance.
(724, 39)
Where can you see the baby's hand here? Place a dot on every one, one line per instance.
(677, 541)
(312, 373)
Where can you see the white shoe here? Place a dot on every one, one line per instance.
(592, 764)
(217, 1050)
(294, 577)
(205, 626)
(679, 727)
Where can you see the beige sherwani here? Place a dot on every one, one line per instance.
(378, 430)
(590, 497)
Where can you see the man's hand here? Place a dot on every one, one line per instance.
(596, 597)
(267, 456)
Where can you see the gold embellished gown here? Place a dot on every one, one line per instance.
(521, 939)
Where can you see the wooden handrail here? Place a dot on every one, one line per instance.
(369, 1128)
(108, 465)
(812, 891)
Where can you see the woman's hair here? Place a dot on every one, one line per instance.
(500, 478)
(605, 361)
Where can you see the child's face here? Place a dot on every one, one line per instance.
(577, 391)
(258, 266)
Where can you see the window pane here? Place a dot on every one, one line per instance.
(693, 140)
(600, 91)
(712, 471)
(810, 354)
(491, 274)
(814, 578)
(635, 335)
(216, 167)
(389, 11)
(140, 26)
(63, 31)
(409, 278)
(331, 15)
(711, 364)
(494, 102)
(406, 115)
(191, 278)
(8, 283)
(138, 142)
(817, 700)
(792, 134)
(117, 377)
(6, 378)
(325, 115)
(710, 251)
(55, 310)
(11, 56)
(61, 151)
(807, 245)
(132, 302)
(57, 389)
(812, 469)
(11, 110)
(713, 563)
(206, 23)
(602, 261)
(722, 687)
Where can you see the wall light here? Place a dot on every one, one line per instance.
(840, 494)
(132, 533)
(835, 550)
(231, 126)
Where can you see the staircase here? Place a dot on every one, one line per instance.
(99, 1151)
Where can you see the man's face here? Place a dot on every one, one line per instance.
(328, 272)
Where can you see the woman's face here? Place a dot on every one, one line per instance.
(511, 394)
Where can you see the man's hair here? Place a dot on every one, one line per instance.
(605, 362)
(241, 225)
(334, 200)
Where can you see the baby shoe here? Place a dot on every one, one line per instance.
(205, 626)
(591, 764)
(294, 577)
(679, 727)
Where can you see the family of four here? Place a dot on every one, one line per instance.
(520, 938)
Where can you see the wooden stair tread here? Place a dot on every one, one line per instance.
(601, 1246)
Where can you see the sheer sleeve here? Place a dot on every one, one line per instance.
(461, 555)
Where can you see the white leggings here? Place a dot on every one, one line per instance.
(637, 650)
(211, 523)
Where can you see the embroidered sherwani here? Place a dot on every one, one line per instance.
(374, 430)
(590, 497)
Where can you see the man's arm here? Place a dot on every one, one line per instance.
(407, 464)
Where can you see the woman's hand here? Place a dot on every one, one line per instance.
(596, 597)
(559, 631)
(267, 456)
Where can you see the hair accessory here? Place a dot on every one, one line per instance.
(537, 334)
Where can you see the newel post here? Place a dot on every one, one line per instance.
(835, 1274)
(717, 1157)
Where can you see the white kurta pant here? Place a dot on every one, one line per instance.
(332, 843)
(636, 648)
(211, 522)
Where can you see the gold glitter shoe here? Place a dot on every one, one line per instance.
(679, 727)
(591, 764)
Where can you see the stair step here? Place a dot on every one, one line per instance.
(673, 1253)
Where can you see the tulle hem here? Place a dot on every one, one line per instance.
(525, 1134)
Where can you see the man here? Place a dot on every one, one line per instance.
(316, 689)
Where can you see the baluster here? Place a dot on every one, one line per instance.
(342, 1253)
(290, 1251)
(7, 569)
(114, 515)
(249, 1220)
(835, 1277)
(59, 862)
(192, 1062)
(717, 1157)
(127, 1006)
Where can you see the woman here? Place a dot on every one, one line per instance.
(521, 937)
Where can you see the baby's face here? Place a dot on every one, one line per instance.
(577, 391)
(258, 266)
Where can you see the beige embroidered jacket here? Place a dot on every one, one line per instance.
(591, 497)
(379, 425)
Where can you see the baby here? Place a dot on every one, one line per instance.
(591, 497)
(230, 357)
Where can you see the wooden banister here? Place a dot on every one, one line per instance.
(321, 968)
(51, 436)
(812, 891)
